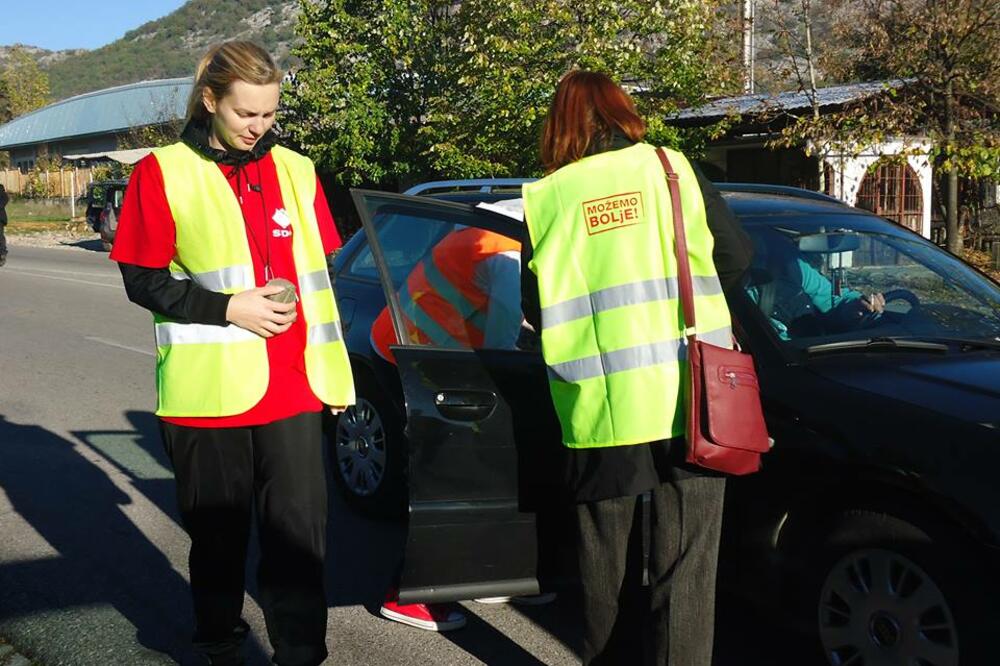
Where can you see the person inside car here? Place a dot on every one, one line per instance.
(800, 300)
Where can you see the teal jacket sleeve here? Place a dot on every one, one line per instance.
(820, 290)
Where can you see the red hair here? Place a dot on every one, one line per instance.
(588, 107)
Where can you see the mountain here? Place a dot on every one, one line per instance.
(170, 46)
(44, 57)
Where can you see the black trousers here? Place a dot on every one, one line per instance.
(673, 622)
(3, 238)
(222, 475)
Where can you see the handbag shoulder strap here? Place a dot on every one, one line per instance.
(684, 281)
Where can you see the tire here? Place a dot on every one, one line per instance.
(883, 591)
(368, 454)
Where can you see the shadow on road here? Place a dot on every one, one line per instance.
(102, 558)
(92, 244)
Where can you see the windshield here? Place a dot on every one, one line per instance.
(823, 284)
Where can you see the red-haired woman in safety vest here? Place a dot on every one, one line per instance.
(598, 275)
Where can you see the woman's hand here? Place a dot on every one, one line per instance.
(874, 303)
(258, 314)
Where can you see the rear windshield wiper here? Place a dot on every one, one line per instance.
(877, 344)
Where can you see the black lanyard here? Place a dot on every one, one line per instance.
(265, 256)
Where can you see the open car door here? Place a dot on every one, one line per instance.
(468, 410)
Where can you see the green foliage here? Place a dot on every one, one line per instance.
(110, 171)
(35, 187)
(5, 109)
(25, 87)
(401, 90)
(362, 94)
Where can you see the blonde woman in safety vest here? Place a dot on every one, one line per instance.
(243, 368)
(600, 285)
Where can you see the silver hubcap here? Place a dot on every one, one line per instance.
(878, 608)
(360, 448)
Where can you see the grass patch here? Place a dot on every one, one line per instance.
(33, 216)
(44, 210)
(31, 227)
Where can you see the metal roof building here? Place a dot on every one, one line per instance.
(831, 97)
(94, 121)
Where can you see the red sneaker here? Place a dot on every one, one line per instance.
(431, 617)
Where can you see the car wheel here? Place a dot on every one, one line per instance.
(368, 455)
(885, 591)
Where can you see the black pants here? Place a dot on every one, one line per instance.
(222, 475)
(674, 621)
(3, 238)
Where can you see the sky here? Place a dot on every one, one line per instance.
(74, 24)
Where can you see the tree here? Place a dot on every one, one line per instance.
(793, 44)
(942, 61)
(5, 112)
(401, 90)
(487, 120)
(361, 95)
(27, 86)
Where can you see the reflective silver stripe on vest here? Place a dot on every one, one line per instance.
(315, 281)
(172, 333)
(231, 277)
(328, 332)
(633, 358)
(633, 293)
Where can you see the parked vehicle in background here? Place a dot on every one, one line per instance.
(875, 523)
(104, 204)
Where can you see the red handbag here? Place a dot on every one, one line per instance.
(725, 423)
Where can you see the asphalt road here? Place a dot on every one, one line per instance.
(92, 558)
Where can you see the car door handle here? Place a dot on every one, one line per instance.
(465, 405)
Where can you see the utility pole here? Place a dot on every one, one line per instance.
(749, 45)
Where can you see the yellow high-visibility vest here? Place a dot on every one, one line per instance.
(612, 323)
(207, 370)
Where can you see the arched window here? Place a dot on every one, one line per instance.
(893, 191)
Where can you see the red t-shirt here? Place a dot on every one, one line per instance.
(146, 237)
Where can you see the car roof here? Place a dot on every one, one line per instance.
(756, 204)
(471, 185)
(475, 196)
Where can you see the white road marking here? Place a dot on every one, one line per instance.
(77, 273)
(112, 343)
(62, 279)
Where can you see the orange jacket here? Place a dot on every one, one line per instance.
(441, 304)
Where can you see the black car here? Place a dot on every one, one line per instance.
(104, 205)
(876, 519)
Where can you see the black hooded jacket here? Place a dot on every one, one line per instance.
(183, 300)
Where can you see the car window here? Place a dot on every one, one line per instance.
(814, 286)
(404, 239)
(455, 272)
